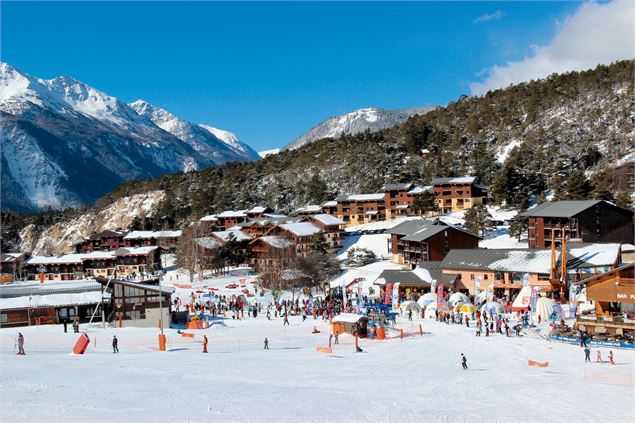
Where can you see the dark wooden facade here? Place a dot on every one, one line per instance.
(601, 222)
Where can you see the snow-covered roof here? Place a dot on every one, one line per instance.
(11, 257)
(592, 255)
(152, 234)
(275, 215)
(71, 258)
(364, 197)
(420, 190)
(232, 213)
(53, 300)
(258, 209)
(238, 235)
(402, 206)
(301, 228)
(561, 208)
(348, 318)
(208, 242)
(20, 289)
(136, 251)
(397, 187)
(208, 218)
(277, 241)
(309, 209)
(327, 219)
(331, 203)
(372, 212)
(454, 180)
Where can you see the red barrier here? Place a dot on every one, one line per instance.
(537, 363)
(81, 344)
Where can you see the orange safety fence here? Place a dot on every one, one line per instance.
(537, 363)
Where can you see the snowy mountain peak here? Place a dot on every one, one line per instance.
(227, 137)
(360, 120)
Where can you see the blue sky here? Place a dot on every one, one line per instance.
(270, 71)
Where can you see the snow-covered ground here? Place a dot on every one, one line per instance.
(415, 379)
(377, 243)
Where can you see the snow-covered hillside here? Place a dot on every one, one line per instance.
(60, 237)
(373, 119)
(66, 143)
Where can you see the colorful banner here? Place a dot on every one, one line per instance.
(395, 297)
(477, 285)
(573, 305)
(388, 293)
(526, 279)
(490, 293)
(433, 286)
(440, 297)
(535, 291)
(343, 286)
(360, 289)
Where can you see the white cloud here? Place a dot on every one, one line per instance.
(595, 33)
(491, 17)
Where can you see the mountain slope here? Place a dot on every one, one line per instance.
(371, 119)
(219, 145)
(65, 143)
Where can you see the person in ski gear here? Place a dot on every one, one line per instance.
(115, 344)
(599, 357)
(76, 324)
(204, 343)
(337, 338)
(611, 358)
(463, 361)
(286, 320)
(21, 344)
(266, 344)
(65, 325)
(587, 354)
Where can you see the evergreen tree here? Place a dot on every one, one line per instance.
(319, 244)
(624, 199)
(519, 226)
(577, 187)
(316, 190)
(478, 219)
(426, 203)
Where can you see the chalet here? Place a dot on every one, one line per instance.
(396, 199)
(167, 240)
(330, 207)
(361, 208)
(457, 194)
(586, 221)
(505, 268)
(11, 266)
(132, 261)
(136, 304)
(272, 253)
(258, 211)
(330, 226)
(235, 234)
(102, 241)
(301, 233)
(613, 293)
(70, 266)
(227, 219)
(28, 304)
(308, 210)
(260, 226)
(416, 241)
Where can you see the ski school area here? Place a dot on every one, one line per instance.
(380, 366)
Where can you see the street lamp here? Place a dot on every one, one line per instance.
(161, 335)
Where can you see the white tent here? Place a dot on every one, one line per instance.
(545, 307)
(523, 299)
(426, 299)
(431, 311)
(481, 297)
(409, 305)
(458, 297)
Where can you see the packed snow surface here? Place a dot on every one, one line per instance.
(418, 378)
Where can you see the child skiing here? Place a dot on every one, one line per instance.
(599, 357)
(266, 344)
(115, 344)
(205, 343)
(21, 344)
(463, 361)
(611, 358)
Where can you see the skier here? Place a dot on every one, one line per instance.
(467, 320)
(463, 361)
(21, 344)
(587, 354)
(599, 357)
(478, 329)
(410, 314)
(286, 320)
(205, 343)
(76, 324)
(611, 358)
(115, 343)
(266, 344)
(65, 325)
(337, 339)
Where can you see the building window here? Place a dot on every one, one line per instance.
(472, 276)
(4, 318)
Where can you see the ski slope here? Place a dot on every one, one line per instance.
(415, 379)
